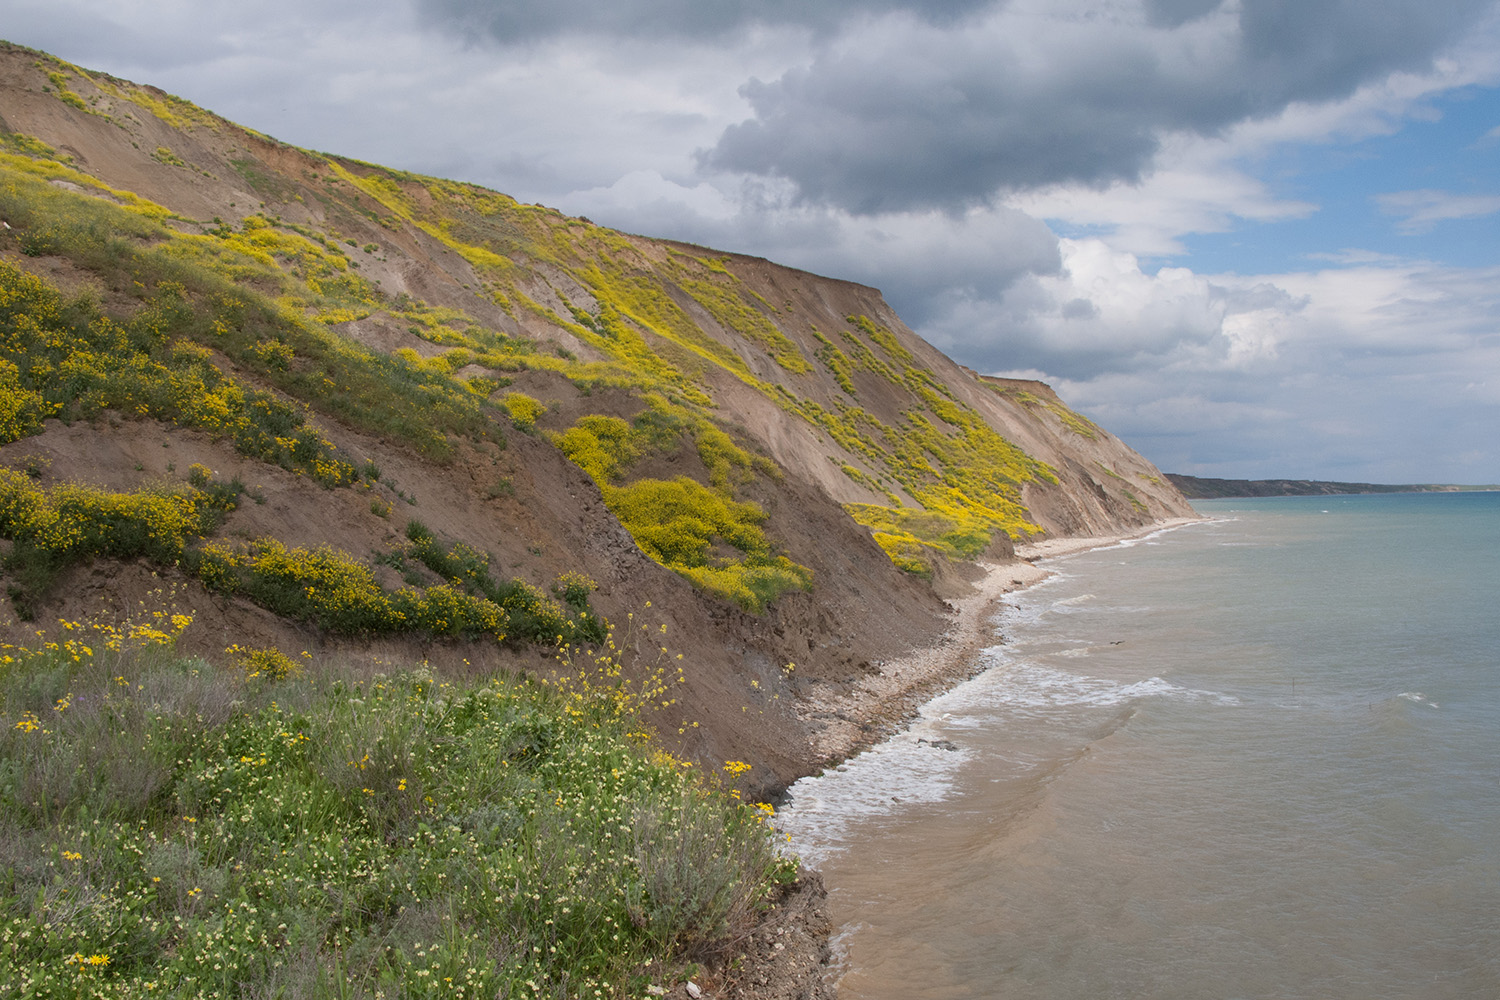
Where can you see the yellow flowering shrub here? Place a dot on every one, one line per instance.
(601, 446)
(677, 522)
(56, 355)
(332, 589)
(22, 409)
(270, 663)
(54, 528)
(531, 615)
(524, 410)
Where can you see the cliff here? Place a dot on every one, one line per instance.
(381, 417)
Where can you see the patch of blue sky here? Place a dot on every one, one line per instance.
(1429, 190)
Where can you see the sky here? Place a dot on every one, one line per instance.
(1253, 238)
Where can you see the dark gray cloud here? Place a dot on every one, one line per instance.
(1316, 51)
(900, 115)
(515, 21)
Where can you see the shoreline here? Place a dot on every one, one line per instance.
(787, 955)
(884, 702)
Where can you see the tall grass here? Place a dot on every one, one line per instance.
(170, 828)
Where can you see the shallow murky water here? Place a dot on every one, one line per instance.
(1258, 757)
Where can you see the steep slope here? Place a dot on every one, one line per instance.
(356, 411)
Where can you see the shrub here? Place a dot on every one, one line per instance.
(524, 411)
(532, 616)
(574, 589)
(270, 663)
(602, 446)
(335, 591)
(677, 522)
(52, 529)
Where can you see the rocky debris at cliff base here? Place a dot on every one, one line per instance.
(786, 957)
(880, 703)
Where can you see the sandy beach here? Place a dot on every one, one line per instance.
(881, 702)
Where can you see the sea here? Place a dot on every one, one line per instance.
(1254, 756)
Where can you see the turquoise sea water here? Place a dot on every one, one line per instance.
(1253, 757)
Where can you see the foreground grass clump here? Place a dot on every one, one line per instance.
(170, 828)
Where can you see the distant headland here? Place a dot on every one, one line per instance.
(1195, 488)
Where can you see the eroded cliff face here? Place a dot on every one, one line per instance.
(450, 392)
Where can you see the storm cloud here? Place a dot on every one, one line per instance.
(518, 21)
(901, 113)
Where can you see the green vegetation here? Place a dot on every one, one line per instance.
(836, 361)
(168, 828)
(912, 538)
(63, 358)
(942, 454)
(524, 411)
(1075, 422)
(967, 479)
(678, 522)
(245, 294)
(51, 530)
(60, 83)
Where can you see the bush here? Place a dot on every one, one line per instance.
(677, 522)
(524, 411)
(335, 591)
(57, 528)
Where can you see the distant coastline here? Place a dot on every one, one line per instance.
(1196, 488)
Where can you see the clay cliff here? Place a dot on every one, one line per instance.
(354, 412)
